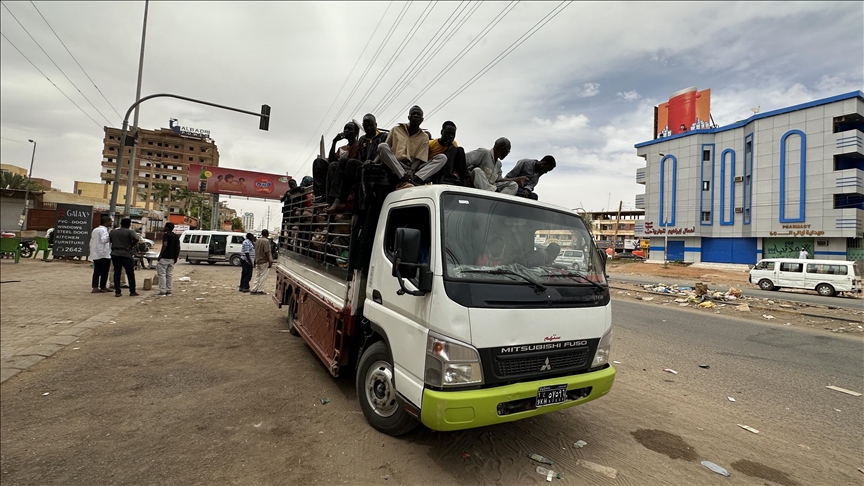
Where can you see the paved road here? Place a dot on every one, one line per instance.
(808, 297)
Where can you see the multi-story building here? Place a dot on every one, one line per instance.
(163, 156)
(249, 221)
(763, 187)
(610, 231)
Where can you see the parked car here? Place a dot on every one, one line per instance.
(572, 258)
(827, 277)
(629, 256)
(211, 246)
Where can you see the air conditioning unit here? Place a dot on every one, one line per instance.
(739, 210)
(739, 178)
(822, 243)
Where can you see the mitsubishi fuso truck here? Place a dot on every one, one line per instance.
(444, 303)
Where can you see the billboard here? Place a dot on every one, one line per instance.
(686, 110)
(234, 182)
(72, 231)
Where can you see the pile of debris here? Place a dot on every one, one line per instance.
(698, 294)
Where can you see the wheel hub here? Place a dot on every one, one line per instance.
(379, 389)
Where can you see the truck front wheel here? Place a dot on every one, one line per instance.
(378, 396)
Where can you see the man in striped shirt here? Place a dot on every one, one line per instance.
(247, 261)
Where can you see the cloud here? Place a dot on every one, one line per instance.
(589, 90)
(629, 95)
(563, 122)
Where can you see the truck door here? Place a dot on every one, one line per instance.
(403, 318)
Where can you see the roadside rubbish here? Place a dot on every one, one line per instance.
(685, 304)
(580, 444)
(199, 298)
(668, 370)
(730, 399)
(62, 322)
(324, 401)
(548, 473)
(184, 279)
(768, 316)
(714, 467)
(707, 305)
(743, 308)
(609, 472)
(540, 459)
(46, 394)
(843, 390)
(465, 455)
(704, 366)
(748, 428)
(617, 362)
(734, 292)
(647, 298)
(284, 330)
(861, 470)
(701, 289)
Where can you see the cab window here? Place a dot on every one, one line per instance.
(765, 266)
(186, 238)
(416, 217)
(237, 240)
(196, 239)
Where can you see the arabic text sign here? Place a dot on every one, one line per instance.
(72, 231)
(223, 180)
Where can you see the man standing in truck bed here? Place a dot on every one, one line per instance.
(406, 152)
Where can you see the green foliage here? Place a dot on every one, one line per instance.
(237, 224)
(8, 180)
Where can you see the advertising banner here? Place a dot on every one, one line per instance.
(72, 232)
(222, 180)
(686, 110)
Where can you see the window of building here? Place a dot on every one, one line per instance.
(191, 148)
(149, 142)
(109, 171)
(845, 123)
(110, 137)
(159, 144)
(176, 157)
(110, 160)
(149, 153)
(848, 161)
(706, 185)
(706, 216)
(114, 148)
(849, 201)
(147, 175)
(190, 159)
(706, 155)
(176, 146)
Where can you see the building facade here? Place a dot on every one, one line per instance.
(763, 187)
(248, 221)
(163, 156)
(612, 231)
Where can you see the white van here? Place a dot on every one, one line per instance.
(827, 277)
(572, 258)
(211, 246)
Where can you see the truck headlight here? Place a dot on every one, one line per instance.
(601, 356)
(451, 363)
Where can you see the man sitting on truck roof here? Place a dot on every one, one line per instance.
(406, 152)
(325, 173)
(531, 169)
(454, 171)
(484, 167)
(347, 171)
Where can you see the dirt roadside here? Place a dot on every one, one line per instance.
(214, 391)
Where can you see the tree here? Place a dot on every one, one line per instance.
(8, 180)
(237, 225)
(187, 199)
(161, 192)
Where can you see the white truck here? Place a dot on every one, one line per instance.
(440, 302)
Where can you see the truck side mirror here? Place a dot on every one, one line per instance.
(406, 253)
(603, 257)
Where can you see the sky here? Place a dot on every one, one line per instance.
(579, 83)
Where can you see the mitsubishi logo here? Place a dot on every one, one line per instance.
(546, 366)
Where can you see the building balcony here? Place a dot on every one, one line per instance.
(640, 176)
(849, 181)
(850, 220)
(849, 142)
(639, 202)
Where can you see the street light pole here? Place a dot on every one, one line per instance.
(131, 178)
(27, 191)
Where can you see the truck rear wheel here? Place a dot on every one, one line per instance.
(292, 313)
(378, 396)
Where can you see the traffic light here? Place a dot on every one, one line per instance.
(265, 118)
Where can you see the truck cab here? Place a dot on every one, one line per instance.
(451, 315)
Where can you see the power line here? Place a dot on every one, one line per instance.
(512, 47)
(76, 61)
(49, 80)
(402, 45)
(52, 62)
(426, 55)
(11, 140)
(324, 116)
(491, 25)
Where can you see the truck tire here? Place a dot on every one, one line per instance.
(766, 284)
(378, 396)
(235, 260)
(289, 318)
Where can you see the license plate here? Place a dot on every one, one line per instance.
(550, 395)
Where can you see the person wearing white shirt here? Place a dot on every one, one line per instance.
(802, 253)
(100, 255)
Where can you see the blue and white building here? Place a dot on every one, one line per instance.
(762, 187)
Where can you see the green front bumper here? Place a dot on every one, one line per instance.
(456, 410)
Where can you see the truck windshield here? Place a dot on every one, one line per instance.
(492, 240)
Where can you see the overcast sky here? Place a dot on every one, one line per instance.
(582, 88)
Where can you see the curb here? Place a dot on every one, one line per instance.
(24, 360)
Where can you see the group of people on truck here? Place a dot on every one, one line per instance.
(415, 158)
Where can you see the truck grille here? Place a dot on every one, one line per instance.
(534, 364)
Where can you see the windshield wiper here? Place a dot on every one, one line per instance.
(576, 274)
(537, 286)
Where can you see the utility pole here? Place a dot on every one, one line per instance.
(26, 212)
(131, 177)
(617, 224)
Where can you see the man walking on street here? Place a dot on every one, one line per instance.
(123, 241)
(263, 262)
(100, 254)
(167, 258)
(247, 261)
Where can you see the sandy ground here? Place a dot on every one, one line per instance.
(207, 387)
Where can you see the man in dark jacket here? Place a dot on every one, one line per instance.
(123, 241)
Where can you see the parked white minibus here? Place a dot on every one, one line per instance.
(827, 277)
